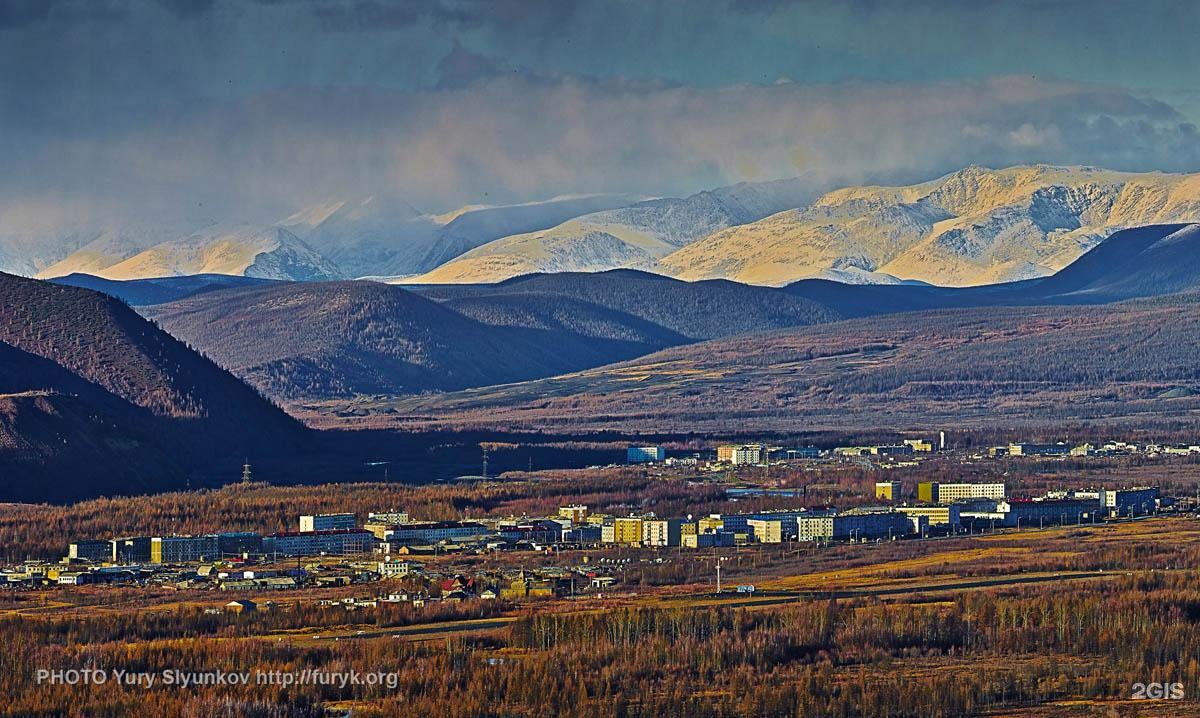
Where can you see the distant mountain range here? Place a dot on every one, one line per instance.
(374, 236)
(966, 357)
(632, 237)
(972, 227)
(249, 251)
(94, 398)
(380, 236)
(976, 226)
(313, 341)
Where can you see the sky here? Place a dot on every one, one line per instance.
(198, 110)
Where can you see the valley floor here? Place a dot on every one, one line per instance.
(885, 636)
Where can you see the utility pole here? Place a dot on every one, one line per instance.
(485, 466)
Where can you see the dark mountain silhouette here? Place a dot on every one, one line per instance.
(345, 338)
(695, 310)
(140, 292)
(306, 341)
(102, 400)
(1141, 262)
(62, 437)
(1138, 262)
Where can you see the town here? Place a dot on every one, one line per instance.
(577, 543)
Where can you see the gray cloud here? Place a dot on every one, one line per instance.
(511, 138)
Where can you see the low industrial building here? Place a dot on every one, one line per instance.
(1025, 513)
(883, 450)
(1126, 502)
(946, 515)
(1059, 449)
(710, 539)
(853, 526)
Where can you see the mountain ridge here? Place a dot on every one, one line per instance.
(86, 368)
(971, 227)
(632, 237)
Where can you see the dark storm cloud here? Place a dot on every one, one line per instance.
(187, 8)
(389, 15)
(22, 13)
(16, 13)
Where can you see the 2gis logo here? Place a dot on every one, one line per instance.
(1157, 691)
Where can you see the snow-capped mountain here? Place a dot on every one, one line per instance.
(974, 226)
(242, 250)
(629, 237)
(109, 247)
(381, 236)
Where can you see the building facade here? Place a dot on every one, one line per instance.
(132, 549)
(327, 522)
(741, 454)
(767, 530)
(1138, 500)
(933, 492)
(434, 531)
(178, 549)
(948, 515)
(644, 454)
(662, 532)
(853, 526)
(624, 530)
(388, 517)
(887, 490)
(94, 550)
(316, 543)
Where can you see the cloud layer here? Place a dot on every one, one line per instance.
(486, 136)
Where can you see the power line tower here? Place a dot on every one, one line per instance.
(246, 473)
(485, 466)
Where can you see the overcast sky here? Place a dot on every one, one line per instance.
(252, 109)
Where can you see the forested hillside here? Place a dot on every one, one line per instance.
(101, 400)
